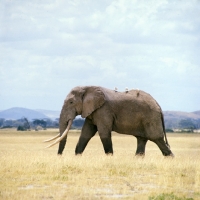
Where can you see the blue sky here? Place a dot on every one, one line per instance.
(48, 47)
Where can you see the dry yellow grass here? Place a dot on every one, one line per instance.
(28, 171)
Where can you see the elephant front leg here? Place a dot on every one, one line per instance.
(82, 143)
(61, 146)
(88, 131)
(141, 144)
(107, 144)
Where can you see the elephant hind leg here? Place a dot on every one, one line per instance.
(141, 144)
(163, 147)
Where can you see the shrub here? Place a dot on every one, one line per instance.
(168, 196)
(20, 128)
(169, 130)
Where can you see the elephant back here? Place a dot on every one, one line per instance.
(145, 98)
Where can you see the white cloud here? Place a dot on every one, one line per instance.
(152, 45)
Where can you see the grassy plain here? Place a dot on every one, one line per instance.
(28, 171)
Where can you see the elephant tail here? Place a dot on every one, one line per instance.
(163, 124)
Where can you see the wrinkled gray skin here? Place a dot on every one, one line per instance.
(134, 113)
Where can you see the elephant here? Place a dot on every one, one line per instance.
(133, 112)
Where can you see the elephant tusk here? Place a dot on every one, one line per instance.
(49, 140)
(63, 135)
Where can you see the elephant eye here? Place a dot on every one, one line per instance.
(70, 101)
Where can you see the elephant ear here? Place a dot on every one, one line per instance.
(93, 99)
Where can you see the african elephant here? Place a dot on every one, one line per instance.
(132, 112)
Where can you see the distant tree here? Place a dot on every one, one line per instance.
(49, 122)
(38, 122)
(8, 126)
(1, 122)
(25, 126)
(55, 124)
(198, 123)
(8, 122)
(169, 130)
(187, 124)
(78, 123)
(20, 128)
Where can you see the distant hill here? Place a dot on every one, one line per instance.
(197, 112)
(173, 118)
(50, 113)
(18, 113)
(181, 115)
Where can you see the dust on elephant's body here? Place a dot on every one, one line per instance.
(132, 112)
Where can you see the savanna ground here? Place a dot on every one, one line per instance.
(28, 171)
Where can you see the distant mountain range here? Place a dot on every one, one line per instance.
(18, 113)
(181, 115)
(172, 118)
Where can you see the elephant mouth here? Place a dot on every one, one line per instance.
(66, 124)
(58, 137)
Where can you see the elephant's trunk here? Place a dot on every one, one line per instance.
(61, 139)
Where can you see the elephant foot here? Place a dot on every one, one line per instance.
(140, 155)
(171, 155)
(78, 154)
(109, 154)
